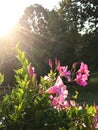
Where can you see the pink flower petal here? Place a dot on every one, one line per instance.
(51, 90)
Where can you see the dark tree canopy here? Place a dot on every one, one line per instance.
(81, 14)
(69, 11)
(89, 14)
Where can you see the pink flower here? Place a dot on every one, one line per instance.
(58, 88)
(80, 107)
(47, 78)
(66, 104)
(96, 125)
(83, 68)
(51, 97)
(55, 102)
(61, 93)
(59, 105)
(81, 79)
(63, 70)
(52, 90)
(97, 110)
(31, 71)
(72, 103)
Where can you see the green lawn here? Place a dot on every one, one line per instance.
(89, 93)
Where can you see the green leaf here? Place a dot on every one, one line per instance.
(1, 78)
(76, 95)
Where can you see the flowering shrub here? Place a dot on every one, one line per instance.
(47, 104)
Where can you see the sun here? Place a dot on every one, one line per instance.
(5, 26)
(10, 11)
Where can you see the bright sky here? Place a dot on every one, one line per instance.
(11, 10)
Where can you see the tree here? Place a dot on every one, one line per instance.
(54, 25)
(34, 19)
(69, 10)
(81, 14)
(89, 14)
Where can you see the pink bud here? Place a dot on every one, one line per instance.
(31, 71)
(74, 65)
(57, 62)
(50, 63)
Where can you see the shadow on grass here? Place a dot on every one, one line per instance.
(89, 93)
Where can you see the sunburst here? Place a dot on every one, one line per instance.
(9, 14)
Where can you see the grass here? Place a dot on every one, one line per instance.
(89, 93)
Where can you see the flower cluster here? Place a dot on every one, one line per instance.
(58, 92)
(82, 75)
